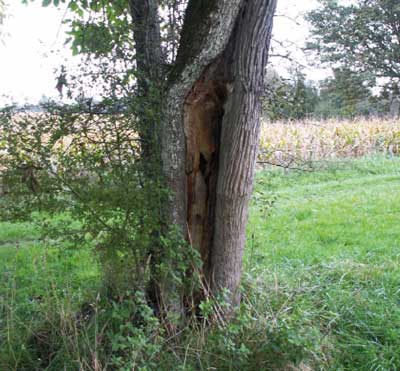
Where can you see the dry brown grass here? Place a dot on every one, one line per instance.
(309, 141)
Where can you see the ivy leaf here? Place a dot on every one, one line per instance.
(46, 2)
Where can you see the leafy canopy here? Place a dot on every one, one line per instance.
(363, 36)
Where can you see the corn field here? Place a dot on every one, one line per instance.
(305, 143)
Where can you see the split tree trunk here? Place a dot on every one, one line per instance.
(210, 136)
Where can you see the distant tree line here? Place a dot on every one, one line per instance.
(360, 43)
(344, 95)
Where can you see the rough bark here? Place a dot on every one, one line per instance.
(212, 126)
(149, 61)
(239, 143)
(204, 38)
(147, 36)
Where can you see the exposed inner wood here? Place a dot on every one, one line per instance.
(203, 112)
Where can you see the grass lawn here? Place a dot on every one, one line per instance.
(322, 277)
(328, 254)
(40, 286)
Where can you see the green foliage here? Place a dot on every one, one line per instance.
(136, 338)
(89, 173)
(100, 28)
(103, 27)
(86, 176)
(345, 95)
(362, 36)
(87, 161)
(359, 40)
(82, 173)
(294, 98)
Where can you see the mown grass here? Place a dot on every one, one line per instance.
(321, 285)
(329, 253)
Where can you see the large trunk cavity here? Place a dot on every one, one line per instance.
(210, 139)
(203, 114)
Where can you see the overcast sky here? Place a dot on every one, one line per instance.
(26, 58)
(33, 46)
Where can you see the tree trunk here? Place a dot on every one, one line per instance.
(150, 85)
(149, 60)
(209, 141)
(147, 36)
(239, 144)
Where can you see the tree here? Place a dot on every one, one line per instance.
(205, 109)
(363, 36)
(210, 146)
(344, 95)
(292, 98)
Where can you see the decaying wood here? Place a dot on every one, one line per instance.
(211, 133)
(203, 113)
(194, 55)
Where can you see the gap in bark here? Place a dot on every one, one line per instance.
(203, 113)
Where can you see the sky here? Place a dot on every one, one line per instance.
(32, 46)
(291, 29)
(30, 50)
